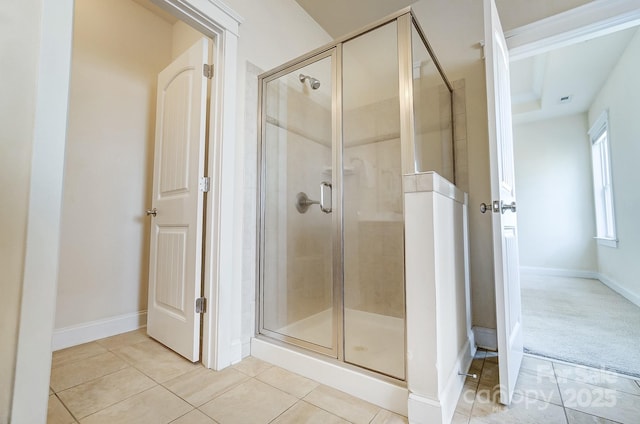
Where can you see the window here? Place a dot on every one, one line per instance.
(602, 186)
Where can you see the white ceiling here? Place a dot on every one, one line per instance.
(454, 29)
(340, 17)
(577, 71)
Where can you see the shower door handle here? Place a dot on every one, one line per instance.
(323, 207)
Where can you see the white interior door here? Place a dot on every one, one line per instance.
(505, 235)
(175, 261)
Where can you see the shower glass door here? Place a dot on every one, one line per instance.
(297, 224)
(332, 218)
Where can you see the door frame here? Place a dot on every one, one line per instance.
(583, 23)
(220, 345)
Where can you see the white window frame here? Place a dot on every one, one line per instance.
(603, 199)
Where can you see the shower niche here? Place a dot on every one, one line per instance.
(338, 129)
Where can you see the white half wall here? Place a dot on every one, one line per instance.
(621, 96)
(438, 337)
(556, 223)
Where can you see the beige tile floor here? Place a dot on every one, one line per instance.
(132, 379)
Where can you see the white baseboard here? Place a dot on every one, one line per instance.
(575, 273)
(618, 288)
(486, 338)
(559, 272)
(95, 330)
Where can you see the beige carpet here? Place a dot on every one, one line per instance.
(581, 321)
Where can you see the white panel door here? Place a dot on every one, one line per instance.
(175, 263)
(505, 235)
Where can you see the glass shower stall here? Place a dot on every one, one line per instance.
(338, 128)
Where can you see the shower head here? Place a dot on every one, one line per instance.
(313, 82)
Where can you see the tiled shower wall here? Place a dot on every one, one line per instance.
(373, 216)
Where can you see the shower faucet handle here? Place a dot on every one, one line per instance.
(303, 202)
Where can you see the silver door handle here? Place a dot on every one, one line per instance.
(498, 206)
(153, 212)
(494, 207)
(323, 206)
(511, 206)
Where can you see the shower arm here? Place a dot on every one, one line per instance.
(303, 202)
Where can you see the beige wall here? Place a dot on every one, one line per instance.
(183, 37)
(108, 170)
(19, 44)
(621, 96)
(480, 238)
(553, 167)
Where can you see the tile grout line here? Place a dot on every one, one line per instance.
(334, 414)
(566, 407)
(228, 389)
(65, 407)
(92, 379)
(186, 413)
(107, 406)
(77, 360)
(120, 401)
(473, 404)
(285, 411)
(376, 414)
(555, 375)
(129, 365)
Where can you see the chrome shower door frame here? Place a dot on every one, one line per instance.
(406, 20)
(333, 52)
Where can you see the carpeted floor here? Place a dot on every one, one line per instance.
(581, 321)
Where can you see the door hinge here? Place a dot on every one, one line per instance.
(201, 305)
(207, 71)
(203, 185)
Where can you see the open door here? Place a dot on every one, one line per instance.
(175, 262)
(503, 205)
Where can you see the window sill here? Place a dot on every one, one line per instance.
(607, 242)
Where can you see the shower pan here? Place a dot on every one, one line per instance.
(338, 129)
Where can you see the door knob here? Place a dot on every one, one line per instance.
(153, 212)
(493, 207)
(511, 206)
(498, 206)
